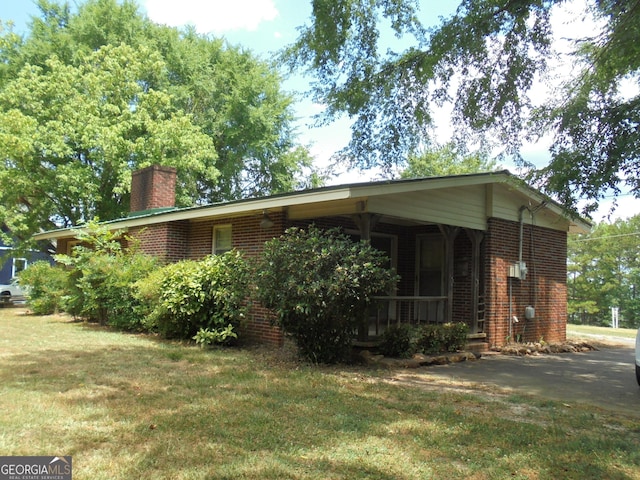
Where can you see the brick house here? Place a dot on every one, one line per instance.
(485, 249)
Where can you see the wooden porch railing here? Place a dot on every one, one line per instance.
(395, 310)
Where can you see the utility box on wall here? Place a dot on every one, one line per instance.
(518, 270)
(529, 313)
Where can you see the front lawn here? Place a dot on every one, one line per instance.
(577, 330)
(129, 406)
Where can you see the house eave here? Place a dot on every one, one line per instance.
(332, 195)
(228, 209)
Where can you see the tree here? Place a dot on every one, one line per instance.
(483, 59)
(88, 96)
(70, 136)
(446, 160)
(604, 272)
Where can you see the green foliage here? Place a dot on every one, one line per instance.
(104, 273)
(95, 121)
(206, 337)
(47, 286)
(484, 56)
(398, 341)
(603, 271)
(319, 285)
(86, 97)
(404, 340)
(596, 117)
(186, 297)
(448, 337)
(447, 160)
(482, 59)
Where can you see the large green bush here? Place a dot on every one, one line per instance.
(186, 297)
(47, 286)
(319, 285)
(103, 273)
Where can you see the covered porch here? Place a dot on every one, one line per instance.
(433, 235)
(454, 241)
(442, 279)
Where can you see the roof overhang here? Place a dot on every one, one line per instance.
(391, 199)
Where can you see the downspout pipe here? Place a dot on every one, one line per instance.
(521, 220)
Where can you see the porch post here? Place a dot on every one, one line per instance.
(449, 233)
(476, 237)
(365, 223)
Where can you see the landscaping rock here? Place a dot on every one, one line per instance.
(525, 349)
(418, 360)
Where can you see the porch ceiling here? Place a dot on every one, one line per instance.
(466, 206)
(461, 207)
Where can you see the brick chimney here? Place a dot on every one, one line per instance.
(153, 187)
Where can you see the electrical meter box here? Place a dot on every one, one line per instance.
(518, 270)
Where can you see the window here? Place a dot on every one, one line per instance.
(19, 264)
(221, 239)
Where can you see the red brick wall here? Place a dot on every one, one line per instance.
(545, 252)
(166, 241)
(153, 187)
(248, 237)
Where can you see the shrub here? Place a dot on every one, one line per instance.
(398, 341)
(448, 337)
(147, 292)
(102, 275)
(206, 336)
(189, 296)
(47, 287)
(123, 307)
(319, 285)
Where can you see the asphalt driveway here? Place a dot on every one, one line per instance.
(605, 378)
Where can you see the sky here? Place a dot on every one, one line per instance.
(266, 26)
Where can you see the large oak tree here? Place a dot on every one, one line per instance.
(91, 94)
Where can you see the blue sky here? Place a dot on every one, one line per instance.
(265, 26)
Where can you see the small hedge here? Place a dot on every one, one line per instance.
(399, 341)
(402, 341)
(448, 337)
(47, 285)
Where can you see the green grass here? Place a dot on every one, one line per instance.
(129, 406)
(577, 330)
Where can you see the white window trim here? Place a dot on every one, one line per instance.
(216, 228)
(13, 265)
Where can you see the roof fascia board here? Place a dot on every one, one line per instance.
(576, 223)
(218, 210)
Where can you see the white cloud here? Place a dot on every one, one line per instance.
(212, 16)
